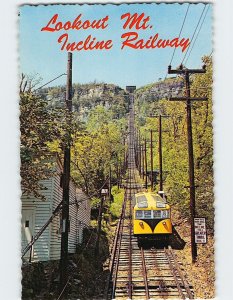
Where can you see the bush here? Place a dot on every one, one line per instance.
(116, 206)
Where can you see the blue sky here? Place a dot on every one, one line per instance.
(40, 53)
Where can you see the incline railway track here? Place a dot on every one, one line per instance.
(137, 273)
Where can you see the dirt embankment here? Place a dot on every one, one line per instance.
(201, 274)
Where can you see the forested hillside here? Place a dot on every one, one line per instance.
(98, 133)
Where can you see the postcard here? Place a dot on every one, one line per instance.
(116, 148)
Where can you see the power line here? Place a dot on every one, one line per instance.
(197, 35)
(50, 81)
(180, 32)
(194, 32)
(179, 36)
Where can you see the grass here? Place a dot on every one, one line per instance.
(116, 205)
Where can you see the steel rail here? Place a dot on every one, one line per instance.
(130, 287)
(162, 285)
(144, 270)
(115, 253)
(131, 156)
(118, 256)
(182, 295)
(184, 281)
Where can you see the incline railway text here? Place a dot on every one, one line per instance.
(136, 24)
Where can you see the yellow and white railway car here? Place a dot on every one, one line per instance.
(151, 216)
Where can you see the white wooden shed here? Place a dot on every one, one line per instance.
(36, 212)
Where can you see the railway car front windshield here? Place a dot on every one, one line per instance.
(152, 214)
(142, 201)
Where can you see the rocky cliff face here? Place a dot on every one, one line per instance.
(97, 90)
(88, 96)
(161, 89)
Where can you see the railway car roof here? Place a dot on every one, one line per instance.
(146, 200)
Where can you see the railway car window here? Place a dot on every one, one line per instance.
(142, 205)
(165, 214)
(142, 201)
(139, 214)
(157, 214)
(147, 214)
(157, 198)
(161, 205)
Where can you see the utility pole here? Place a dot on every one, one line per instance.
(139, 152)
(160, 152)
(65, 183)
(124, 160)
(160, 156)
(118, 172)
(151, 157)
(145, 165)
(186, 73)
(110, 184)
(99, 223)
(142, 163)
(136, 148)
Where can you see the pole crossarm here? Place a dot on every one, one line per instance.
(188, 186)
(148, 147)
(188, 98)
(157, 116)
(182, 70)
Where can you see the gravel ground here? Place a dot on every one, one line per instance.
(201, 274)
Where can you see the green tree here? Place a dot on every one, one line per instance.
(97, 148)
(38, 127)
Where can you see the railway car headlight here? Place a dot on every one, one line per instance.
(141, 224)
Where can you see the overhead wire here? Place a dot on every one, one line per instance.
(180, 33)
(197, 35)
(49, 81)
(179, 37)
(194, 31)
